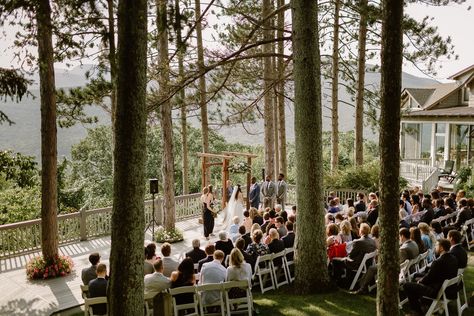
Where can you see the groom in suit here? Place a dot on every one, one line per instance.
(254, 194)
(268, 192)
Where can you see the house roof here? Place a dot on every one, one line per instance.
(420, 94)
(442, 91)
(462, 111)
(462, 72)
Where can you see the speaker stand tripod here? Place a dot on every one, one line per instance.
(151, 223)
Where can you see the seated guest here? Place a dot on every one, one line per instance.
(254, 228)
(276, 245)
(245, 236)
(328, 219)
(455, 239)
(184, 276)
(428, 215)
(406, 200)
(354, 228)
(437, 230)
(213, 272)
(256, 248)
(360, 247)
(449, 204)
(197, 253)
(247, 221)
(284, 214)
(332, 234)
(267, 238)
(240, 244)
(224, 244)
(439, 210)
(402, 214)
(289, 239)
(278, 209)
(375, 235)
(429, 239)
(463, 216)
(443, 268)
(373, 212)
(338, 218)
(156, 282)
(333, 208)
(255, 216)
(234, 228)
(408, 250)
(238, 269)
(98, 288)
(169, 264)
(210, 249)
(360, 204)
(266, 221)
(280, 226)
(90, 273)
(148, 264)
(349, 208)
(415, 235)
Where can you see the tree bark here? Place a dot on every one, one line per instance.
(267, 82)
(275, 101)
(167, 168)
(180, 99)
(202, 85)
(49, 224)
(335, 91)
(125, 290)
(359, 112)
(112, 58)
(391, 60)
(281, 90)
(311, 264)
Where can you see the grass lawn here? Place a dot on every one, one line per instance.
(284, 302)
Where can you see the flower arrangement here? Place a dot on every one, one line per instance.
(39, 268)
(240, 167)
(170, 236)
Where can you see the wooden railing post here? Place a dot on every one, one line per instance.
(83, 224)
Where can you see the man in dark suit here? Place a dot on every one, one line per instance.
(210, 256)
(456, 249)
(289, 239)
(90, 273)
(98, 288)
(360, 247)
(463, 215)
(245, 236)
(443, 268)
(197, 253)
(276, 245)
(360, 204)
(254, 194)
(428, 216)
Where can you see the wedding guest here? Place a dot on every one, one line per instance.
(268, 191)
(415, 235)
(240, 244)
(210, 249)
(254, 194)
(148, 264)
(289, 239)
(245, 236)
(238, 269)
(169, 264)
(375, 234)
(183, 276)
(280, 225)
(196, 254)
(207, 215)
(256, 248)
(247, 221)
(211, 273)
(428, 238)
(234, 228)
(98, 288)
(255, 216)
(156, 282)
(90, 273)
(224, 244)
(345, 234)
(281, 188)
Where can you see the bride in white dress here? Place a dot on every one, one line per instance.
(235, 207)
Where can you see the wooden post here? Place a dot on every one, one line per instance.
(225, 177)
(204, 170)
(249, 176)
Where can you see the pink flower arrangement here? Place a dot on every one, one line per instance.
(38, 268)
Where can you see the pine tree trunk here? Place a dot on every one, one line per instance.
(311, 265)
(125, 290)
(359, 113)
(166, 120)
(391, 60)
(335, 91)
(202, 85)
(112, 60)
(281, 90)
(49, 224)
(275, 106)
(268, 99)
(181, 103)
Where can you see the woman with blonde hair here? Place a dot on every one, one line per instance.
(428, 238)
(345, 234)
(238, 269)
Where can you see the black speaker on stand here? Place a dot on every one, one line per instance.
(152, 221)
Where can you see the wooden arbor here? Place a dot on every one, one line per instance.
(225, 157)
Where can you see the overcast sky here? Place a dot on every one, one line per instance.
(453, 20)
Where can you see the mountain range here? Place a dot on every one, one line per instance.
(24, 136)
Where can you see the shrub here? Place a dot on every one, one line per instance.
(39, 268)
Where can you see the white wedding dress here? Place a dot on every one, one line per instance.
(235, 207)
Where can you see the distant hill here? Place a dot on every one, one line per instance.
(24, 135)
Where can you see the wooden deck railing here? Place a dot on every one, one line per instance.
(25, 237)
(423, 176)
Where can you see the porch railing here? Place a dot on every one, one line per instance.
(421, 175)
(418, 161)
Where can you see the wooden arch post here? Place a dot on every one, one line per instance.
(224, 163)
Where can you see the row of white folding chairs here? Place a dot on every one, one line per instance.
(264, 267)
(468, 233)
(447, 219)
(226, 304)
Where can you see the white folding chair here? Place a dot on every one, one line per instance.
(149, 303)
(461, 292)
(239, 304)
(278, 270)
(191, 308)
(422, 262)
(411, 269)
(215, 287)
(468, 232)
(263, 268)
(363, 267)
(440, 302)
(290, 261)
(89, 302)
(84, 291)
